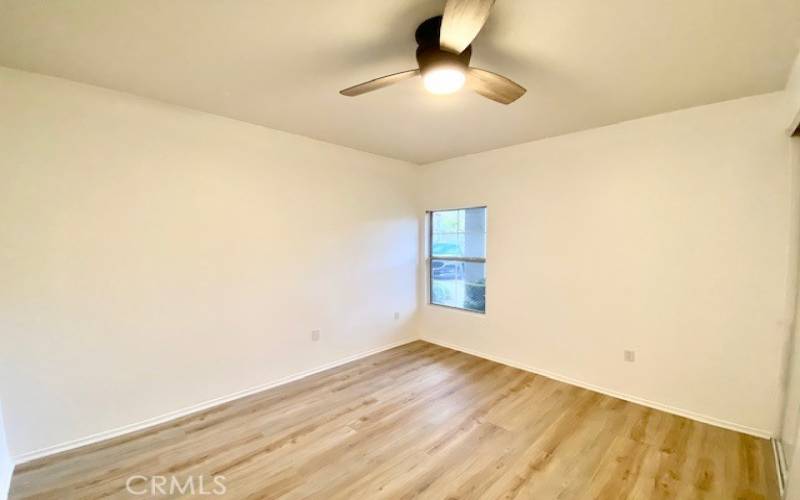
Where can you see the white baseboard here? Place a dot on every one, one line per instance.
(761, 433)
(150, 422)
(780, 464)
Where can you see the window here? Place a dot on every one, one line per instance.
(457, 258)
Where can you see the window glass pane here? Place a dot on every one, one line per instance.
(454, 234)
(446, 221)
(459, 233)
(474, 232)
(474, 244)
(474, 220)
(458, 284)
(447, 244)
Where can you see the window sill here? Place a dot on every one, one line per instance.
(458, 309)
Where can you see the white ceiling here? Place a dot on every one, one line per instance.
(585, 63)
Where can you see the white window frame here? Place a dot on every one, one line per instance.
(430, 257)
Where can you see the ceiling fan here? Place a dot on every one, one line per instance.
(443, 55)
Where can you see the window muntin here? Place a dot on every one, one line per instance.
(457, 258)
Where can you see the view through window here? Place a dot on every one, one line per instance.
(458, 258)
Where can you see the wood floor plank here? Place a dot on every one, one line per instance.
(421, 421)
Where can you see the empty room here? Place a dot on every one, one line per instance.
(435, 249)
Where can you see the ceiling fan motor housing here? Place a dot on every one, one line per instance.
(430, 55)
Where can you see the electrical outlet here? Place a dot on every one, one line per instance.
(314, 335)
(396, 315)
(630, 356)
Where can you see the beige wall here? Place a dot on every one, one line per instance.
(667, 235)
(153, 257)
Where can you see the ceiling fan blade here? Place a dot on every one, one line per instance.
(461, 22)
(378, 83)
(493, 86)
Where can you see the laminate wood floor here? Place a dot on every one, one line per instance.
(421, 421)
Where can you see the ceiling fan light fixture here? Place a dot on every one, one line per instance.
(444, 80)
(444, 50)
